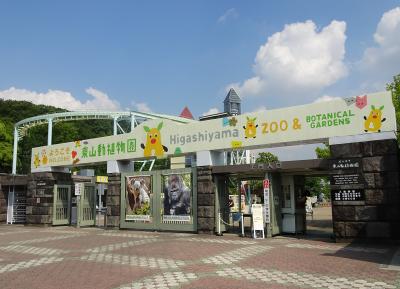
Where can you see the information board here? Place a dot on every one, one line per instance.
(348, 179)
(345, 164)
(257, 216)
(348, 195)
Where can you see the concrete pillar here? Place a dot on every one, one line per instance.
(119, 167)
(210, 158)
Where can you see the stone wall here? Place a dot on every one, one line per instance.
(206, 190)
(377, 215)
(3, 206)
(40, 192)
(113, 200)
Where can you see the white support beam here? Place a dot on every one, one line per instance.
(49, 131)
(15, 150)
(152, 164)
(143, 165)
(122, 130)
(132, 122)
(115, 125)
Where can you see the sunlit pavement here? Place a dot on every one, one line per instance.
(66, 257)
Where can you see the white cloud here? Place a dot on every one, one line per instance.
(299, 60)
(141, 107)
(100, 101)
(382, 61)
(230, 13)
(63, 99)
(211, 111)
(326, 98)
(260, 108)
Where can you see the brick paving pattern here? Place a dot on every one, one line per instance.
(67, 257)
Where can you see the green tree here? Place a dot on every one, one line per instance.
(394, 87)
(266, 157)
(323, 152)
(317, 185)
(13, 111)
(5, 148)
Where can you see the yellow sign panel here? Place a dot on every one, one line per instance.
(101, 179)
(314, 122)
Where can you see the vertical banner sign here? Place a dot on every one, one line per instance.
(266, 201)
(79, 189)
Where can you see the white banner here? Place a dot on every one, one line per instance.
(161, 138)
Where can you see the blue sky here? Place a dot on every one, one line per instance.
(162, 55)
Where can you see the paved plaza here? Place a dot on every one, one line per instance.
(67, 257)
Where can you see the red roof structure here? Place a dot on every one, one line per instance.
(186, 113)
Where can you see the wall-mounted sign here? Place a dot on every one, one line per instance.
(101, 179)
(44, 188)
(348, 195)
(266, 166)
(79, 187)
(348, 179)
(161, 138)
(345, 164)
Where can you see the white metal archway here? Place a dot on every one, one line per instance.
(135, 118)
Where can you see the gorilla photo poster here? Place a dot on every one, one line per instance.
(138, 201)
(177, 197)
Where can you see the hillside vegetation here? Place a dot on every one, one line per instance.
(13, 111)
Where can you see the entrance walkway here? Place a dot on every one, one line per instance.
(320, 224)
(65, 257)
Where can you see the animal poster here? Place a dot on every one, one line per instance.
(138, 198)
(177, 198)
(234, 200)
